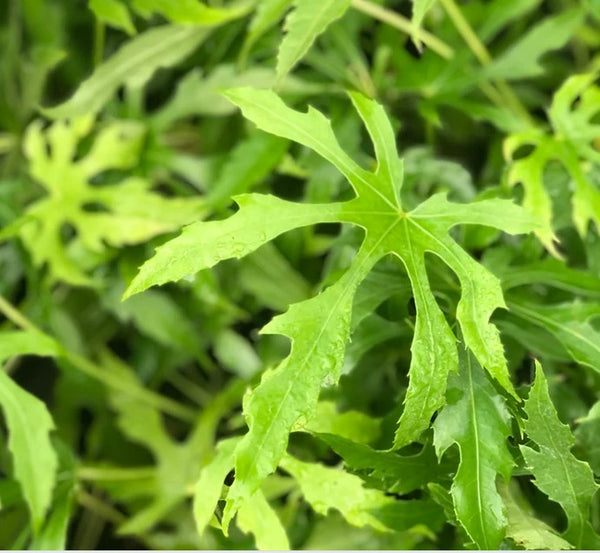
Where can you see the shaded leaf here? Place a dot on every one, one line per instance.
(523, 527)
(132, 66)
(34, 459)
(328, 488)
(307, 20)
(557, 472)
(521, 60)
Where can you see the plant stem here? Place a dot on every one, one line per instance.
(113, 474)
(404, 25)
(99, 39)
(110, 379)
(100, 508)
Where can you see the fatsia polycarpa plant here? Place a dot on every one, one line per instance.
(318, 328)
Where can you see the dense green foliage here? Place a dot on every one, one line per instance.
(300, 274)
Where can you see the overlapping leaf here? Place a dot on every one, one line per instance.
(570, 142)
(29, 425)
(328, 488)
(319, 327)
(307, 20)
(570, 323)
(558, 473)
(477, 420)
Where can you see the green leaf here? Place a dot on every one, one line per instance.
(307, 20)
(26, 342)
(521, 60)
(113, 13)
(588, 434)
(207, 490)
(477, 421)
(34, 459)
(570, 142)
(290, 391)
(328, 488)
(114, 214)
(258, 517)
(419, 11)
(177, 464)
(53, 536)
(131, 66)
(204, 244)
(558, 473)
(266, 15)
(570, 325)
(550, 272)
(190, 11)
(400, 474)
(351, 425)
(270, 277)
(523, 527)
(248, 164)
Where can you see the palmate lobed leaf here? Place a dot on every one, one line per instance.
(319, 327)
(570, 142)
(125, 213)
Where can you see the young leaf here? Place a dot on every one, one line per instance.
(558, 473)
(476, 420)
(569, 143)
(291, 390)
(130, 212)
(34, 460)
(350, 425)
(307, 20)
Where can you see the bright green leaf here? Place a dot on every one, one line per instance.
(259, 518)
(291, 391)
(124, 213)
(570, 143)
